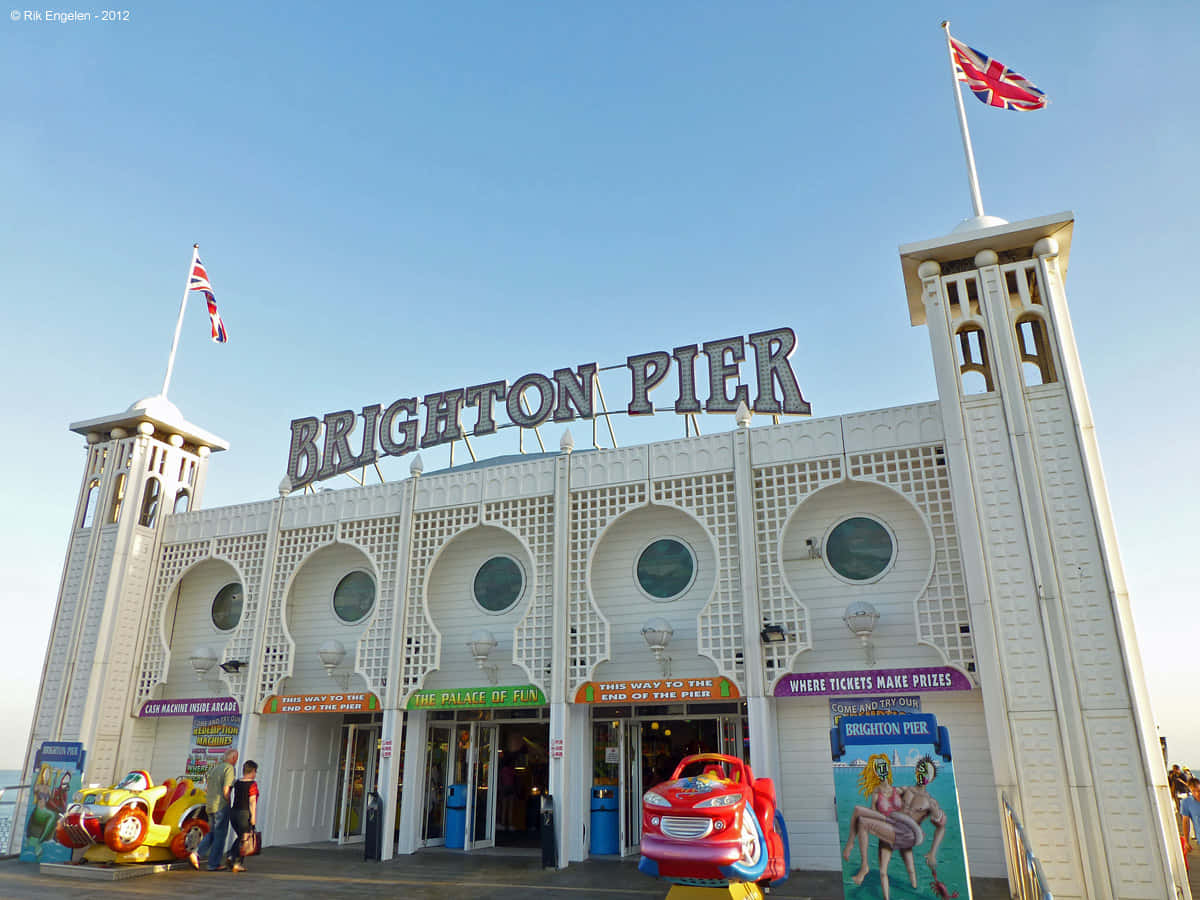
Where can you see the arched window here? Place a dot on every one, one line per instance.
(118, 498)
(973, 358)
(183, 501)
(1037, 364)
(149, 514)
(89, 504)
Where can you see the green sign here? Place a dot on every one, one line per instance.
(477, 698)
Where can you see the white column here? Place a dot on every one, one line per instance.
(394, 716)
(392, 735)
(412, 799)
(567, 806)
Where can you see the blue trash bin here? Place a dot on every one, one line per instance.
(606, 835)
(456, 816)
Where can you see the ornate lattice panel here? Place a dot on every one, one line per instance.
(379, 539)
(591, 512)
(533, 519)
(174, 560)
(421, 652)
(778, 490)
(245, 552)
(721, 632)
(922, 475)
(295, 545)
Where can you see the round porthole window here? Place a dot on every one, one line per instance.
(666, 569)
(354, 597)
(227, 607)
(499, 584)
(860, 548)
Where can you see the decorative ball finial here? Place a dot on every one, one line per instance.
(743, 414)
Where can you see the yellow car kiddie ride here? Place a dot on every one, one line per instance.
(135, 820)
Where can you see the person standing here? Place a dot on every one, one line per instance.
(243, 811)
(1177, 783)
(1189, 809)
(217, 788)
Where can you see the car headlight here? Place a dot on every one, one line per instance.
(723, 800)
(650, 798)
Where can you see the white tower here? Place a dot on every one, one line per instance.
(141, 465)
(1072, 739)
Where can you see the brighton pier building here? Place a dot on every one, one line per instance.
(466, 641)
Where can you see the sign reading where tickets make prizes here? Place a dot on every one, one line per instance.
(897, 809)
(57, 775)
(872, 681)
(477, 698)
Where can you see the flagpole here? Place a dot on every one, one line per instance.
(179, 325)
(976, 197)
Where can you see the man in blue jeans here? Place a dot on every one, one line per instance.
(220, 782)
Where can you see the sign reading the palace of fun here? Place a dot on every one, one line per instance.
(477, 698)
(534, 399)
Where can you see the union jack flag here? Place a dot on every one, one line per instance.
(993, 82)
(198, 281)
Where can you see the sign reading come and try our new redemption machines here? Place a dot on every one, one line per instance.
(898, 822)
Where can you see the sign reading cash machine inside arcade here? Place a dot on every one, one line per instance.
(534, 399)
(899, 828)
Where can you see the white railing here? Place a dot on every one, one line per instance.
(1026, 879)
(10, 799)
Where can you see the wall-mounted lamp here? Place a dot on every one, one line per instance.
(233, 666)
(332, 653)
(203, 660)
(658, 633)
(481, 646)
(860, 617)
(773, 634)
(814, 547)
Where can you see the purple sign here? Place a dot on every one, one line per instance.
(194, 706)
(871, 681)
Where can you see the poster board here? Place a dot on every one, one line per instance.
(57, 775)
(897, 808)
(211, 737)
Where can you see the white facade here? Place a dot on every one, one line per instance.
(1005, 568)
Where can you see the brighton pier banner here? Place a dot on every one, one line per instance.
(534, 399)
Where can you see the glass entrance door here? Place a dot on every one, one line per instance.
(731, 739)
(437, 767)
(631, 794)
(481, 792)
(357, 774)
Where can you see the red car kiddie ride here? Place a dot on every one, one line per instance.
(714, 825)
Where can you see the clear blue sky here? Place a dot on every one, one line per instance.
(397, 198)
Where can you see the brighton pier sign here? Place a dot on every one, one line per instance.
(534, 399)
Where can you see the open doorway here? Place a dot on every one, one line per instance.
(524, 776)
(484, 782)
